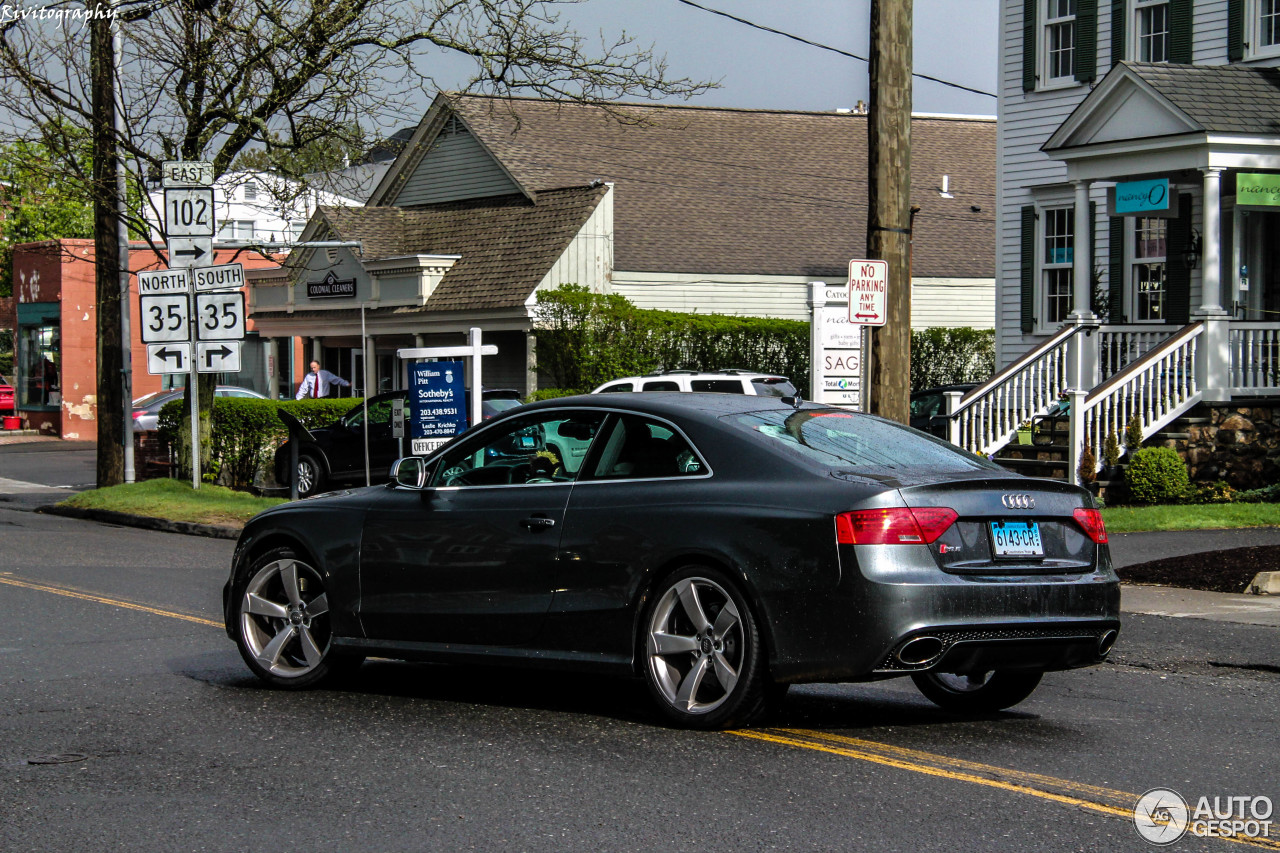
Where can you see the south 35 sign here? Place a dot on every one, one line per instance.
(437, 403)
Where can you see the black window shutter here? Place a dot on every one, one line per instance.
(1029, 41)
(1235, 30)
(1181, 15)
(1093, 255)
(1115, 272)
(1086, 57)
(1177, 276)
(1119, 15)
(1028, 269)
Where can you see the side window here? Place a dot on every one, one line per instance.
(536, 449)
(718, 386)
(616, 389)
(662, 385)
(637, 449)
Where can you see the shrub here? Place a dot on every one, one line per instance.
(942, 356)
(1210, 493)
(1088, 463)
(1133, 435)
(246, 431)
(586, 339)
(550, 394)
(1111, 450)
(1157, 475)
(1266, 494)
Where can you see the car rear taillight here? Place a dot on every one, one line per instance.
(1090, 521)
(893, 526)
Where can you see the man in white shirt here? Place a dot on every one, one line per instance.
(319, 383)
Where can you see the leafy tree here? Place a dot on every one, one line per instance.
(40, 200)
(211, 79)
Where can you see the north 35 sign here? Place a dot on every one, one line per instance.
(164, 317)
(220, 316)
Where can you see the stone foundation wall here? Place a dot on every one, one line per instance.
(1239, 444)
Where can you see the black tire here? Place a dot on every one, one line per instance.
(280, 618)
(979, 693)
(310, 474)
(703, 671)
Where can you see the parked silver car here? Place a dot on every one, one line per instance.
(146, 410)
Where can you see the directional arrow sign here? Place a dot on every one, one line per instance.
(218, 357)
(168, 358)
(187, 252)
(223, 277)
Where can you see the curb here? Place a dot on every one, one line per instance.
(124, 519)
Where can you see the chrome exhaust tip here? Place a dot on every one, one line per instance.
(1106, 641)
(920, 651)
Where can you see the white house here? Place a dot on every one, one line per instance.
(1139, 151)
(259, 206)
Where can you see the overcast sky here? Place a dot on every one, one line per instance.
(954, 40)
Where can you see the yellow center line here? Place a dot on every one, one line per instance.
(1090, 797)
(102, 599)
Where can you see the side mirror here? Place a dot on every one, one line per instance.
(410, 472)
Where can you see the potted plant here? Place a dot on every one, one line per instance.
(1024, 432)
(1088, 464)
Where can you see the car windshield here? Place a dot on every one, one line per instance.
(839, 440)
(153, 397)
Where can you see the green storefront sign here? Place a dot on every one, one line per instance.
(1257, 188)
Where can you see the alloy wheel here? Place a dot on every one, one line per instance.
(695, 645)
(284, 618)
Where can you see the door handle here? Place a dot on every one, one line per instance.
(537, 522)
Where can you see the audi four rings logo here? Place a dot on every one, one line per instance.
(1018, 501)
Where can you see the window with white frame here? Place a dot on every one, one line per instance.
(1262, 28)
(1059, 46)
(1148, 255)
(235, 229)
(1056, 262)
(1150, 30)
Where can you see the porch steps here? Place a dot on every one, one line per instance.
(1046, 456)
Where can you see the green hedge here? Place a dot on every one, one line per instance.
(944, 356)
(246, 431)
(586, 339)
(1157, 475)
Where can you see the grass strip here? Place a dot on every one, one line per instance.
(1135, 519)
(176, 501)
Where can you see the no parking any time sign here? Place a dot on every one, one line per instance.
(868, 289)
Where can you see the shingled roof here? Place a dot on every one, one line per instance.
(747, 191)
(1219, 98)
(507, 244)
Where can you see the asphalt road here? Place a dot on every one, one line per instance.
(112, 661)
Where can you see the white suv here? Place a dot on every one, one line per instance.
(717, 382)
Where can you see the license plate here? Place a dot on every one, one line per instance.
(1016, 539)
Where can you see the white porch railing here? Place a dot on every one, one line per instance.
(1120, 346)
(1156, 389)
(986, 418)
(1255, 359)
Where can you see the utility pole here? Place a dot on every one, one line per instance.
(110, 355)
(889, 202)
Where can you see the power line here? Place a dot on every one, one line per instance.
(802, 40)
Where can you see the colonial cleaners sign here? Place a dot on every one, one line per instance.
(1134, 197)
(1257, 188)
(437, 400)
(331, 287)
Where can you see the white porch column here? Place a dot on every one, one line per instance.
(1082, 269)
(1210, 244)
(1213, 355)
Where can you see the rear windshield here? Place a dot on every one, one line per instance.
(502, 404)
(774, 387)
(842, 440)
